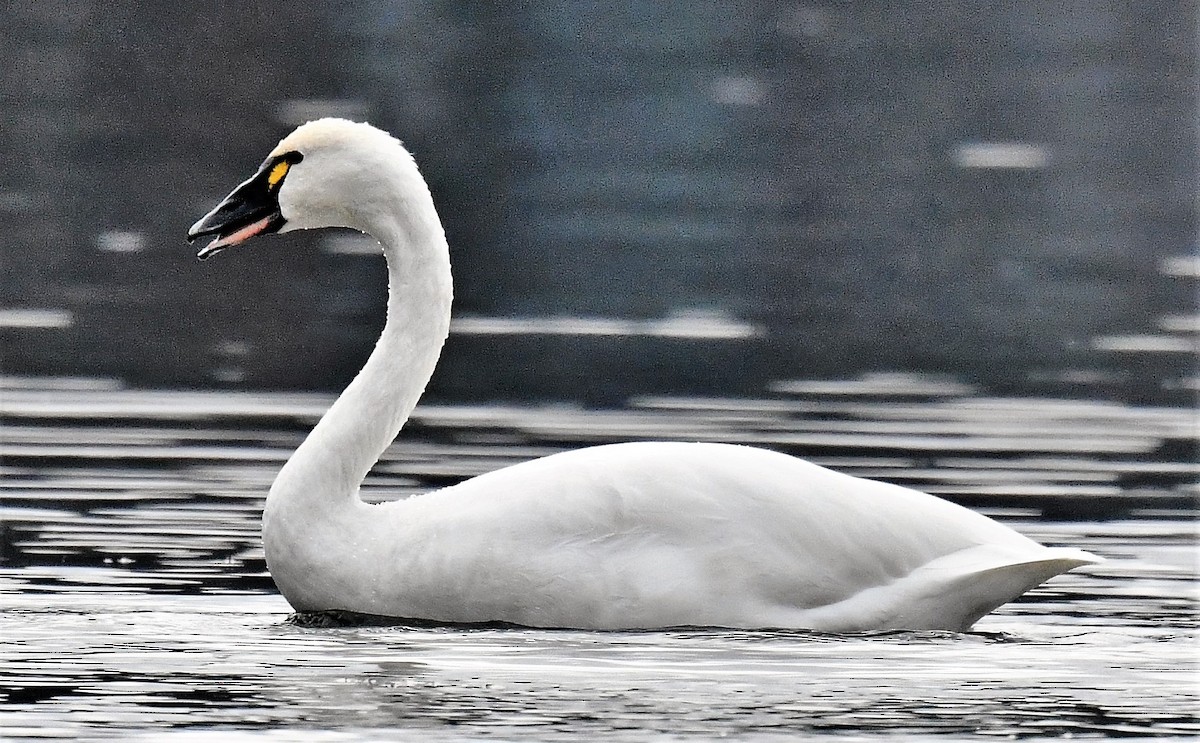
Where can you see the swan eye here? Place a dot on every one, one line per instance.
(278, 167)
(277, 173)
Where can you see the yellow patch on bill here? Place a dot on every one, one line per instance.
(277, 173)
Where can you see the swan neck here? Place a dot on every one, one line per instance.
(329, 466)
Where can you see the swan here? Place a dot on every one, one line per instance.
(621, 536)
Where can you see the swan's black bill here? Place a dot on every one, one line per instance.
(251, 209)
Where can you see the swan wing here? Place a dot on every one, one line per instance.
(658, 534)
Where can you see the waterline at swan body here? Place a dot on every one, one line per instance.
(641, 535)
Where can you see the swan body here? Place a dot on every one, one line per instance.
(638, 535)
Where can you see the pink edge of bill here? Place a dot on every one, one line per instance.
(235, 238)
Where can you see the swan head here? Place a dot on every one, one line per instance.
(326, 173)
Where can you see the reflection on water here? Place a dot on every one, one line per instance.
(207, 661)
(135, 597)
(693, 324)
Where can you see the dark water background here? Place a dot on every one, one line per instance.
(134, 600)
(1001, 192)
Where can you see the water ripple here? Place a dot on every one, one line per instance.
(134, 598)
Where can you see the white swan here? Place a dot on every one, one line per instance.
(636, 535)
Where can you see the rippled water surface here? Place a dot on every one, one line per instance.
(134, 600)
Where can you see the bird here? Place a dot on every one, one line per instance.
(637, 535)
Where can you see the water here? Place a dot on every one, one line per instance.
(135, 601)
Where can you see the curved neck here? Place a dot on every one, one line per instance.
(326, 470)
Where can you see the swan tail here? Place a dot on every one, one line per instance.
(949, 593)
(958, 589)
